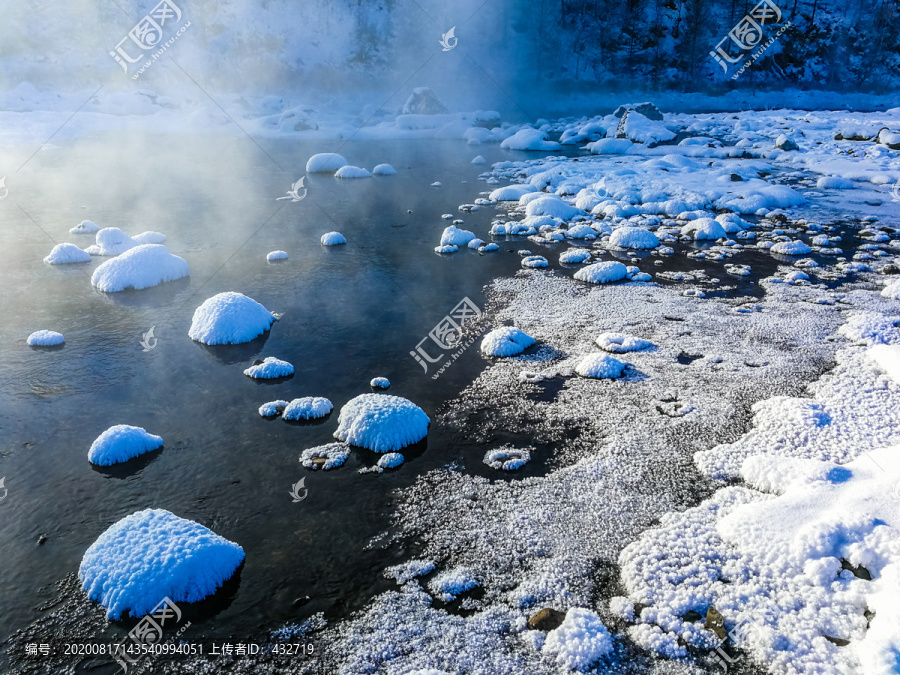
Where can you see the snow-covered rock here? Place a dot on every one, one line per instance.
(551, 205)
(506, 341)
(703, 229)
(381, 422)
(276, 255)
(453, 236)
(390, 460)
(229, 318)
(154, 554)
(270, 368)
(307, 408)
(120, 443)
(113, 241)
(534, 261)
(834, 183)
(325, 457)
(140, 267)
(619, 343)
(352, 172)
(325, 162)
(507, 458)
(272, 408)
(423, 101)
(380, 383)
(574, 256)
(447, 585)
(579, 642)
(633, 237)
(45, 338)
(600, 366)
(479, 160)
(512, 193)
(796, 247)
(63, 254)
(384, 170)
(333, 239)
(530, 139)
(602, 272)
(85, 227)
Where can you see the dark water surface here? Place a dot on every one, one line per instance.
(351, 313)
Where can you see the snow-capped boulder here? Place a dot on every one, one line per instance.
(453, 236)
(384, 170)
(154, 554)
(574, 256)
(579, 642)
(530, 139)
(140, 267)
(113, 241)
(551, 205)
(229, 318)
(45, 338)
(646, 109)
(63, 254)
(703, 229)
(85, 227)
(507, 458)
(325, 457)
(381, 422)
(633, 237)
(479, 160)
(786, 143)
(600, 366)
(380, 383)
(352, 172)
(333, 239)
(833, 183)
(307, 408)
(602, 272)
(512, 193)
(276, 255)
(423, 101)
(120, 443)
(506, 341)
(640, 129)
(270, 368)
(272, 408)
(325, 162)
(796, 247)
(619, 343)
(390, 460)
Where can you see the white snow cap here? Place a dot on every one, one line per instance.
(384, 170)
(602, 272)
(325, 162)
(704, 229)
(307, 408)
(453, 236)
(270, 368)
(120, 443)
(85, 227)
(333, 454)
(276, 255)
(479, 160)
(791, 248)
(381, 423)
(633, 237)
(272, 408)
(619, 343)
(67, 253)
(600, 366)
(506, 341)
(352, 172)
(114, 241)
(333, 239)
(529, 139)
(507, 458)
(139, 267)
(154, 554)
(390, 460)
(447, 585)
(579, 642)
(574, 255)
(511, 193)
(229, 318)
(380, 383)
(45, 338)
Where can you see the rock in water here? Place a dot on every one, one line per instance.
(381, 423)
(785, 143)
(423, 101)
(646, 109)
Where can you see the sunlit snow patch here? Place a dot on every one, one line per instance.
(85, 227)
(272, 408)
(333, 239)
(139, 267)
(229, 318)
(447, 585)
(151, 555)
(602, 272)
(381, 423)
(579, 642)
(380, 383)
(325, 162)
(507, 458)
(67, 253)
(384, 170)
(791, 248)
(269, 369)
(120, 443)
(600, 366)
(45, 338)
(633, 237)
(325, 457)
(307, 408)
(506, 341)
(276, 255)
(453, 236)
(352, 172)
(619, 343)
(529, 139)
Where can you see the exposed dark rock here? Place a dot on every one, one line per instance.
(423, 101)
(546, 619)
(716, 623)
(646, 109)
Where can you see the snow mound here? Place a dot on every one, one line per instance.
(154, 554)
(140, 267)
(113, 241)
(325, 457)
(633, 237)
(307, 408)
(529, 139)
(579, 642)
(149, 237)
(453, 236)
(63, 254)
(574, 256)
(602, 272)
(506, 341)
(352, 172)
(619, 343)
(511, 193)
(833, 182)
(600, 366)
(272, 408)
(534, 261)
(276, 255)
(551, 205)
(333, 239)
(45, 338)
(120, 443)
(390, 460)
(269, 369)
(507, 458)
(703, 229)
(447, 585)
(229, 318)
(791, 248)
(380, 383)
(384, 170)
(325, 162)
(85, 227)
(381, 423)
(891, 291)
(479, 160)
